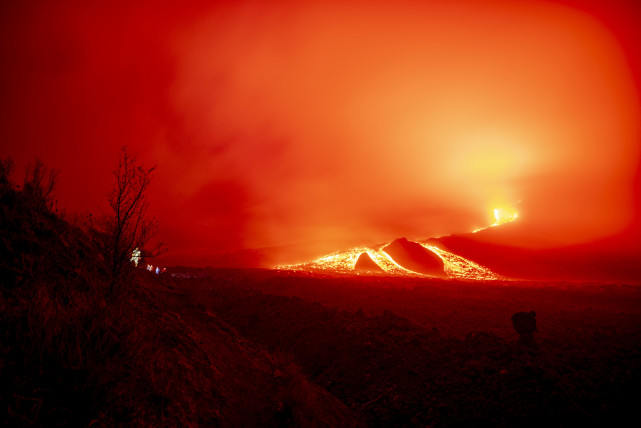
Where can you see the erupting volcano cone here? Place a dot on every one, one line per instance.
(415, 257)
(366, 264)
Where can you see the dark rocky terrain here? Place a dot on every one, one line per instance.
(416, 352)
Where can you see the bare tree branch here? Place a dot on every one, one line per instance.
(128, 228)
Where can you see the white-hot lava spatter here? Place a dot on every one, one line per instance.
(454, 266)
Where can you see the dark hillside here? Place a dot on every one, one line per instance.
(73, 354)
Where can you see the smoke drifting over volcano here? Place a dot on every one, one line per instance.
(330, 124)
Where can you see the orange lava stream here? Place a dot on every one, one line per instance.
(460, 267)
(343, 262)
(337, 262)
(502, 216)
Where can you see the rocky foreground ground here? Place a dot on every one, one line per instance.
(415, 352)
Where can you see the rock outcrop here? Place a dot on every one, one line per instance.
(366, 264)
(525, 325)
(415, 257)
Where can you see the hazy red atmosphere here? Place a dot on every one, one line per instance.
(322, 125)
(408, 213)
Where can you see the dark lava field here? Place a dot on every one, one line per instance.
(421, 352)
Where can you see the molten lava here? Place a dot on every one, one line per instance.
(455, 266)
(504, 215)
(460, 267)
(501, 216)
(343, 262)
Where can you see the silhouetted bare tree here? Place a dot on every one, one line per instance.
(128, 227)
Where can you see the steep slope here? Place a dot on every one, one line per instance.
(73, 354)
(260, 389)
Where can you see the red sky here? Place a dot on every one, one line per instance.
(334, 123)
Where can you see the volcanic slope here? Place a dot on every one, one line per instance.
(74, 353)
(400, 258)
(613, 259)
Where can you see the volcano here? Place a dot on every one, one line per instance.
(615, 258)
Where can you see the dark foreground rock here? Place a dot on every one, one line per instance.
(525, 325)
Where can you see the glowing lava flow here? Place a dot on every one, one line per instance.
(460, 267)
(343, 262)
(454, 266)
